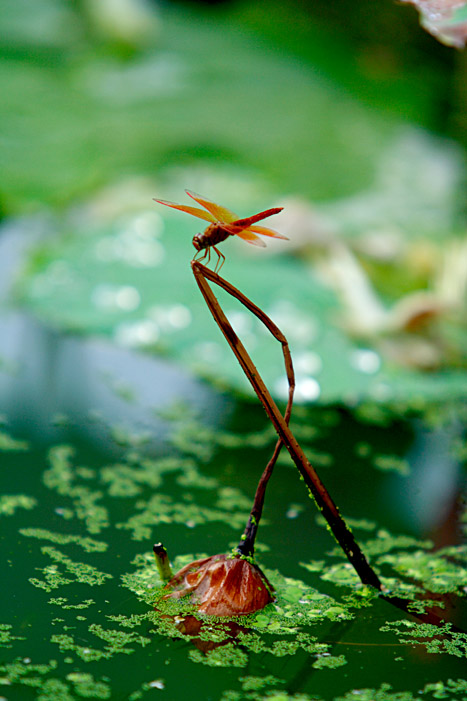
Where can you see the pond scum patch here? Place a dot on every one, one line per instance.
(88, 619)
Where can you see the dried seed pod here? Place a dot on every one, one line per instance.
(222, 585)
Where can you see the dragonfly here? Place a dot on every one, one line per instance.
(224, 223)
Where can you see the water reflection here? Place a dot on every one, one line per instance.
(45, 373)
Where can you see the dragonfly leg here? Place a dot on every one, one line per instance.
(203, 256)
(220, 260)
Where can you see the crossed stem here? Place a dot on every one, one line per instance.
(322, 498)
(247, 542)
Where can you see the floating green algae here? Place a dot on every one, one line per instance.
(230, 499)
(391, 463)
(163, 509)
(82, 572)
(274, 695)
(327, 661)
(85, 685)
(407, 566)
(53, 579)
(140, 475)
(296, 603)
(10, 503)
(140, 472)
(10, 444)
(62, 477)
(55, 689)
(60, 474)
(228, 655)
(192, 437)
(51, 689)
(446, 690)
(66, 643)
(145, 687)
(316, 458)
(280, 629)
(435, 639)
(87, 508)
(126, 481)
(62, 601)
(6, 635)
(435, 570)
(115, 642)
(88, 544)
(385, 542)
(195, 439)
(256, 683)
(436, 690)
(383, 693)
(124, 627)
(124, 437)
(25, 671)
(362, 524)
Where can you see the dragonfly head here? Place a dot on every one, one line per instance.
(197, 242)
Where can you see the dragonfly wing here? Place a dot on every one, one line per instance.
(264, 231)
(248, 236)
(221, 214)
(195, 211)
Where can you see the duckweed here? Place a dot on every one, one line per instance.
(88, 544)
(256, 683)
(435, 639)
(82, 571)
(10, 444)
(163, 509)
(227, 656)
(62, 601)
(384, 693)
(61, 477)
(329, 662)
(85, 685)
(438, 574)
(441, 690)
(392, 463)
(142, 496)
(10, 503)
(25, 672)
(6, 635)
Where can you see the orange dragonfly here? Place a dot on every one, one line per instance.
(224, 223)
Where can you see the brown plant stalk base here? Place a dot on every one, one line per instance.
(222, 585)
(228, 585)
(322, 497)
(337, 524)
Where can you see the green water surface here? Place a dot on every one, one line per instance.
(85, 494)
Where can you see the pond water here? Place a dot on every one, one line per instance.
(104, 452)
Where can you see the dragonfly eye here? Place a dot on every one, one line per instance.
(196, 243)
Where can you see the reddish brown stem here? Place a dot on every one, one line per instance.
(323, 500)
(247, 543)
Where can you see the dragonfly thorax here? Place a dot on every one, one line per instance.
(213, 235)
